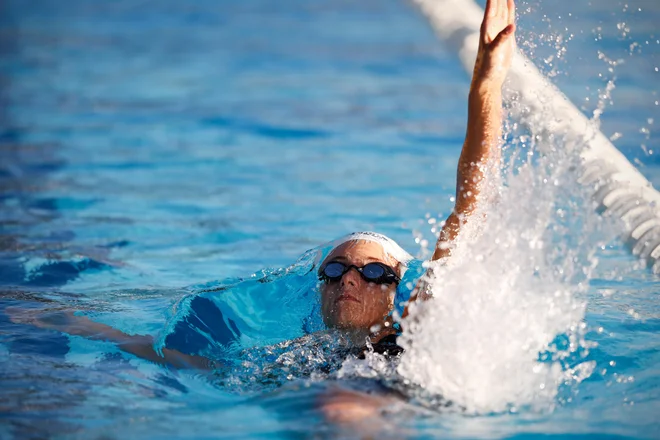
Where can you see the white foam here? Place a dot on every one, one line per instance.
(506, 294)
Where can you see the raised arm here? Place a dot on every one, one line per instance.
(481, 149)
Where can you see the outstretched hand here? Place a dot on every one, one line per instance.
(496, 43)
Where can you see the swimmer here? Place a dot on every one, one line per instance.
(361, 273)
(359, 277)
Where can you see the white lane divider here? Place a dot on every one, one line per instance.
(619, 188)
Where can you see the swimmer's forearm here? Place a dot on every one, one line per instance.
(481, 148)
(139, 345)
(142, 347)
(480, 151)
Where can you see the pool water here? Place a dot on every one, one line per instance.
(154, 154)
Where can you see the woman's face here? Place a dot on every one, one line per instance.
(353, 303)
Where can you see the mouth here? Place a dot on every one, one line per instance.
(346, 297)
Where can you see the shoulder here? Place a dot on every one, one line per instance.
(386, 346)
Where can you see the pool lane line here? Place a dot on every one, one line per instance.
(618, 187)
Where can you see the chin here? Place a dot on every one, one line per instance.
(345, 320)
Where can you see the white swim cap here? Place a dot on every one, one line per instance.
(390, 247)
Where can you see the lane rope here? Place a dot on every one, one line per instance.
(619, 188)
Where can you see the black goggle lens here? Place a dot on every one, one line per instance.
(334, 270)
(372, 272)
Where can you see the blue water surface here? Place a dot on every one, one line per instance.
(153, 154)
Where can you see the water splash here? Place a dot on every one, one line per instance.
(314, 357)
(505, 327)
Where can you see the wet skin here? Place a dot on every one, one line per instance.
(352, 303)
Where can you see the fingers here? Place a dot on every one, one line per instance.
(498, 14)
(500, 9)
(491, 8)
(511, 6)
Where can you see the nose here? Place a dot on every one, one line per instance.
(351, 277)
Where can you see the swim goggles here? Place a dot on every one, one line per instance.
(378, 273)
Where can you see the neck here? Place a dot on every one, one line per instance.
(357, 336)
(360, 336)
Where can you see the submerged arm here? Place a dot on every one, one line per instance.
(481, 149)
(139, 345)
